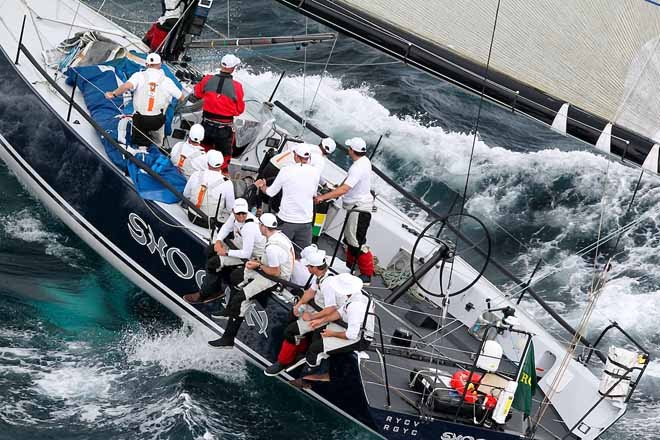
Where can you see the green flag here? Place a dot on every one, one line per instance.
(522, 400)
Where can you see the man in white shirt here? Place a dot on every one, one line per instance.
(298, 185)
(356, 312)
(276, 261)
(356, 192)
(210, 191)
(152, 93)
(222, 261)
(327, 302)
(189, 156)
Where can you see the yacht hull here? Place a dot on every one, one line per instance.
(99, 204)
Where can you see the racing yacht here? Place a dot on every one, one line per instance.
(450, 351)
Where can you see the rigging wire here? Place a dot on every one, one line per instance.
(474, 142)
(323, 72)
(599, 280)
(303, 121)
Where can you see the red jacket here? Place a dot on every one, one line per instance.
(220, 104)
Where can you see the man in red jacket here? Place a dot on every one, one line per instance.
(223, 99)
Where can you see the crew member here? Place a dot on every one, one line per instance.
(300, 275)
(356, 313)
(172, 10)
(327, 302)
(276, 261)
(210, 191)
(189, 156)
(246, 237)
(152, 93)
(317, 153)
(298, 185)
(223, 100)
(356, 192)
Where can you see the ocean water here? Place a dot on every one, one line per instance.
(85, 354)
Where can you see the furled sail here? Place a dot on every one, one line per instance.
(600, 57)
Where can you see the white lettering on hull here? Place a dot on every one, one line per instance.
(171, 257)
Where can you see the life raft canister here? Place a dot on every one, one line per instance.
(458, 382)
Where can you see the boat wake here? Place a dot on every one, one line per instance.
(144, 382)
(25, 225)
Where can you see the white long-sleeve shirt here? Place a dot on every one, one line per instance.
(246, 235)
(353, 312)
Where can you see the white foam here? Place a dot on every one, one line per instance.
(23, 225)
(77, 381)
(185, 349)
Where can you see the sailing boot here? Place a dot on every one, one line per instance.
(286, 356)
(227, 339)
(365, 263)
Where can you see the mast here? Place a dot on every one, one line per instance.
(468, 74)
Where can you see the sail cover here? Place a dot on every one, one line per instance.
(601, 57)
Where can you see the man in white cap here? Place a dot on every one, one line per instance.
(152, 93)
(276, 261)
(250, 244)
(327, 302)
(210, 191)
(356, 312)
(317, 153)
(223, 100)
(301, 275)
(356, 192)
(189, 156)
(298, 185)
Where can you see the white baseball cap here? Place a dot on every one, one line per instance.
(308, 250)
(241, 206)
(214, 158)
(153, 58)
(196, 133)
(268, 220)
(230, 61)
(301, 149)
(357, 144)
(344, 283)
(328, 144)
(314, 258)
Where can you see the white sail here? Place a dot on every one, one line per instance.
(600, 56)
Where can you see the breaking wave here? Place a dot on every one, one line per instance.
(26, 226)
